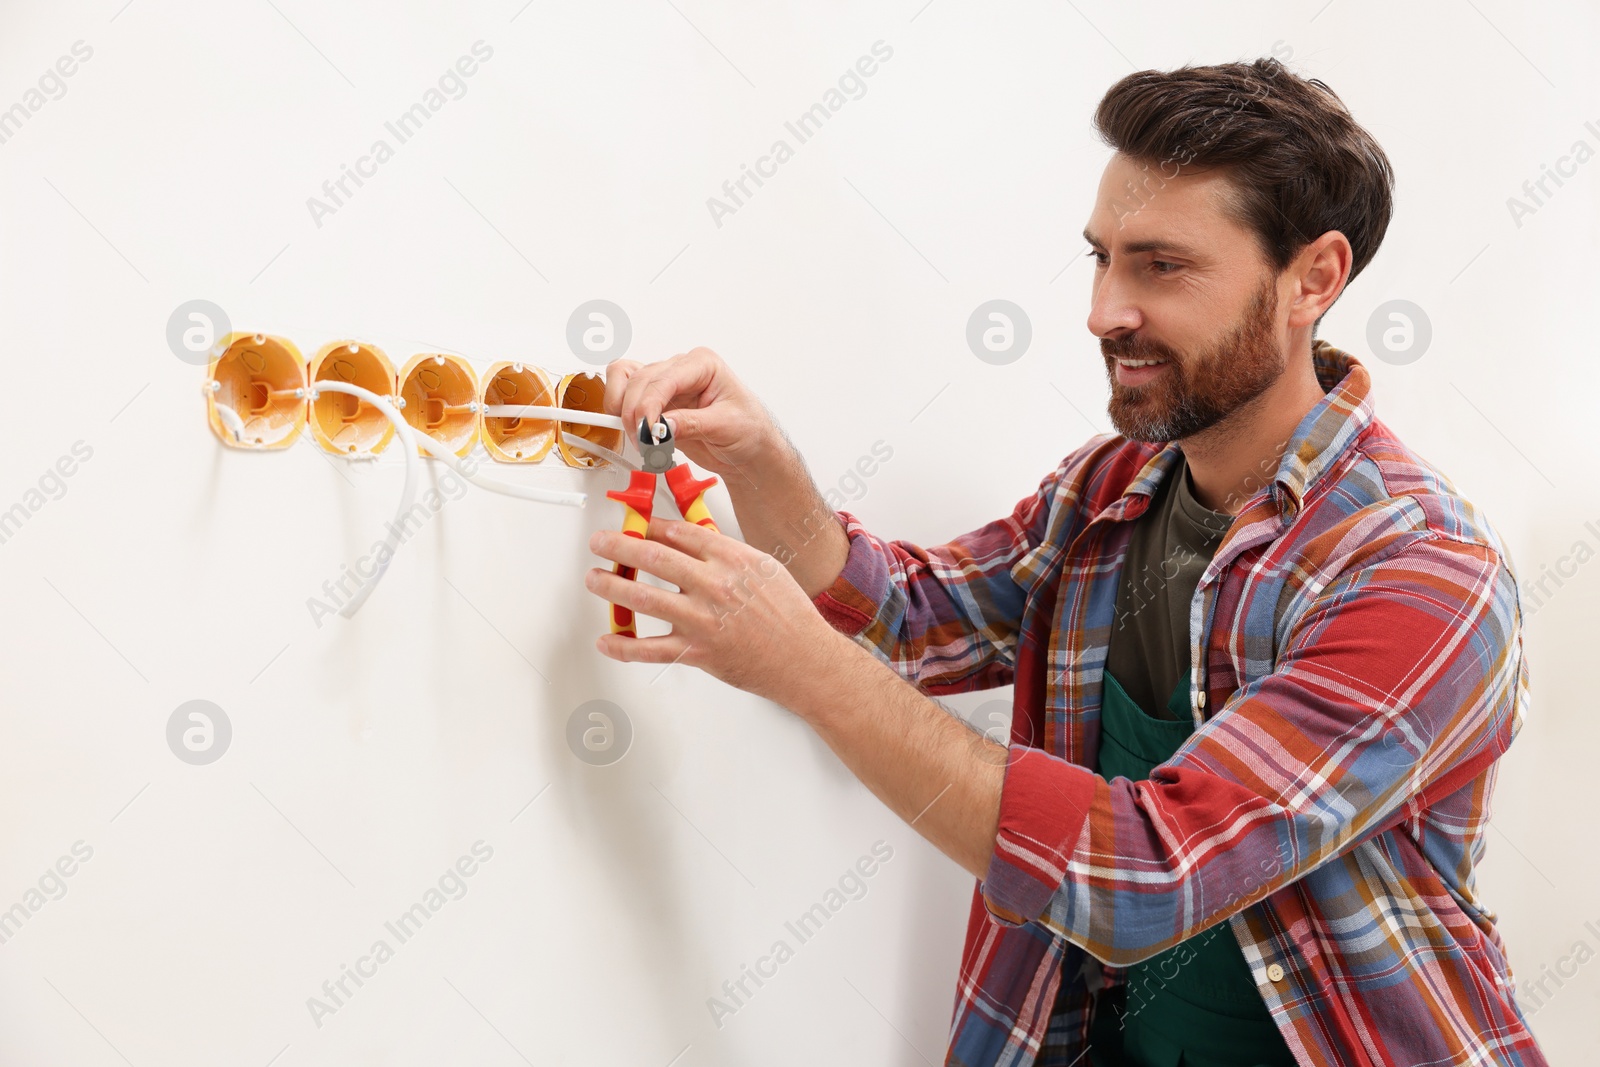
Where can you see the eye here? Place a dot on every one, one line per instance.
(1163, 263)
(1099, 258)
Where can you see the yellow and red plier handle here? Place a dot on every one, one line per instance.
(637, 500)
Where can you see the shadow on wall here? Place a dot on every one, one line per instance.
(519, 597)
(623, 813)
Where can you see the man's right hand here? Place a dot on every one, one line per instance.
(719, 424)
(716, 421)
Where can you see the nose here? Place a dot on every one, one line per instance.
(1111, 313)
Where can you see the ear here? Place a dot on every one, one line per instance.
(1319, 274)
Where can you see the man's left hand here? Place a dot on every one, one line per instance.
(737, 614)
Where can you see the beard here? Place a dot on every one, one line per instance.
(1194, 393)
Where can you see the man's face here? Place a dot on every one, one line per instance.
(1178, 282)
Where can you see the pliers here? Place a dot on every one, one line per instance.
(656, 456)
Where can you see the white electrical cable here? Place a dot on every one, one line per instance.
(604, 453)
(232, 421)
(582, 418)
(407, 494)
(521, 492)
(438, 451)
(535, 411)
(410, 440)
(230, 418)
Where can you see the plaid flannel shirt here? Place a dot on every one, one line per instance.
(1357, 670)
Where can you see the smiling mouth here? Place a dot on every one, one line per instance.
(1135, 374)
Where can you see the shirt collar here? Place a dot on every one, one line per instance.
(1317, 442)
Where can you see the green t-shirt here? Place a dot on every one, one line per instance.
(1172, 543)
(1195, 1004)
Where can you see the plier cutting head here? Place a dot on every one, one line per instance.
(657, 455)
(655, 447)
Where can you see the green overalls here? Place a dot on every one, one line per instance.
(1196, 1004)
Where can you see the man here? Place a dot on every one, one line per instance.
(1265, 658)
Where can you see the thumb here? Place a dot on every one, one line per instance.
(689, 424)
(711, 436)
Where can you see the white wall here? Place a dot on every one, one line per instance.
(367, 756)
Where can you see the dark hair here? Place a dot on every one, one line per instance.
(1298, 163)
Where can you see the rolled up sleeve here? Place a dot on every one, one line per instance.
(858, 594)
(1044, 815)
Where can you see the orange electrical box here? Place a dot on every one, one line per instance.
(257, 377)
(441, 400)
(584, 391)
(518, 440)
(343, 424)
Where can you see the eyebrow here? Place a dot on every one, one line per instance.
(1134, 247)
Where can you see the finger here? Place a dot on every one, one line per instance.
(689, 538)
(693, 424)
(618, 371)
(706, 428)
(675, 382)
(668, 648)
(648, 397)
(657, 557)
(664, 604)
